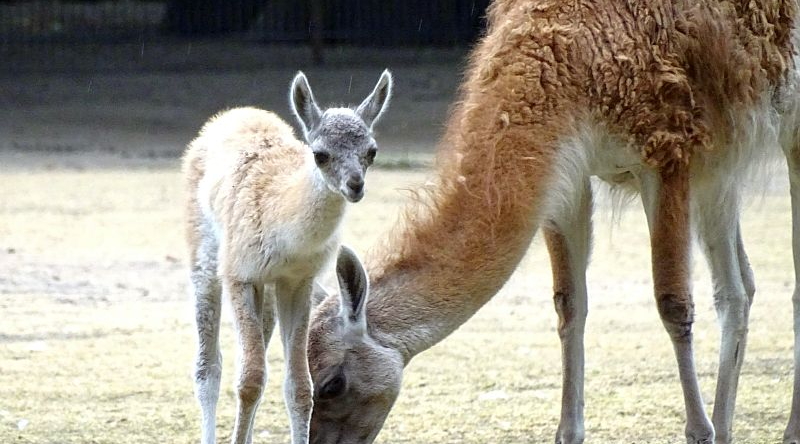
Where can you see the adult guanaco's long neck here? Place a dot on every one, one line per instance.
(461, 240)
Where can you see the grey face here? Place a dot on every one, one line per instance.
(341, 138)
(343, 149)
(356, 380)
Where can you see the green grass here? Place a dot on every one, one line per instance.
(96, 334)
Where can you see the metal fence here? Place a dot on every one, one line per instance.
(358, 22)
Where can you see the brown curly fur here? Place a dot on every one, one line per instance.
(664, 76)
(665, 84)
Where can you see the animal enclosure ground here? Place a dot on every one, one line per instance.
(96, 333)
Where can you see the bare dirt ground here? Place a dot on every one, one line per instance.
(96, 334)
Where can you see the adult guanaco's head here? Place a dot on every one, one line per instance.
(341, 139)
(356, 379)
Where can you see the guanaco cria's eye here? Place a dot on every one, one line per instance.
(321, 158)
(333, 388)
(371, 155)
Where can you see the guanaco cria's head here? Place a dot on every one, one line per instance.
(341, 138)
(356, 379)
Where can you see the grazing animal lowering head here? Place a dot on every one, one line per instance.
(356, 380)
(341, 138)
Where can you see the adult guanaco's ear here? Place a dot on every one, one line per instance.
(353, 287)
(376, 103)
(303, 104)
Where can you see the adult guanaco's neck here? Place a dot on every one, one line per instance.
(463, 238)
(457, 245)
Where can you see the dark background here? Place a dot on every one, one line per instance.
(57, 26)
(109, 81)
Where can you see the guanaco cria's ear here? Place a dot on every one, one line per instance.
(353, 287)
(303, 104)
(376, 103)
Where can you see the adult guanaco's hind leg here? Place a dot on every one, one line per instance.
(665, 195)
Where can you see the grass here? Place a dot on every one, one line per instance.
(404, 161)
(96, 334)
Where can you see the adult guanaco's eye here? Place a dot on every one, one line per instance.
(333, 388)
(371, 155)
(321, 158)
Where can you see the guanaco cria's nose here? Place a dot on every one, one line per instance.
(356, 183)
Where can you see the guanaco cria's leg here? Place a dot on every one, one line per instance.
(666, 201)
(568, 242)
(207, 305)
(293, 304)
(266, 294)
(252, 371)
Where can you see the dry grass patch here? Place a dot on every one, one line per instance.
(96, 334)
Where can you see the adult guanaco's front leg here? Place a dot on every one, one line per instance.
(715, 213)
(568, 243)
(665, 195)
(792, 433)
